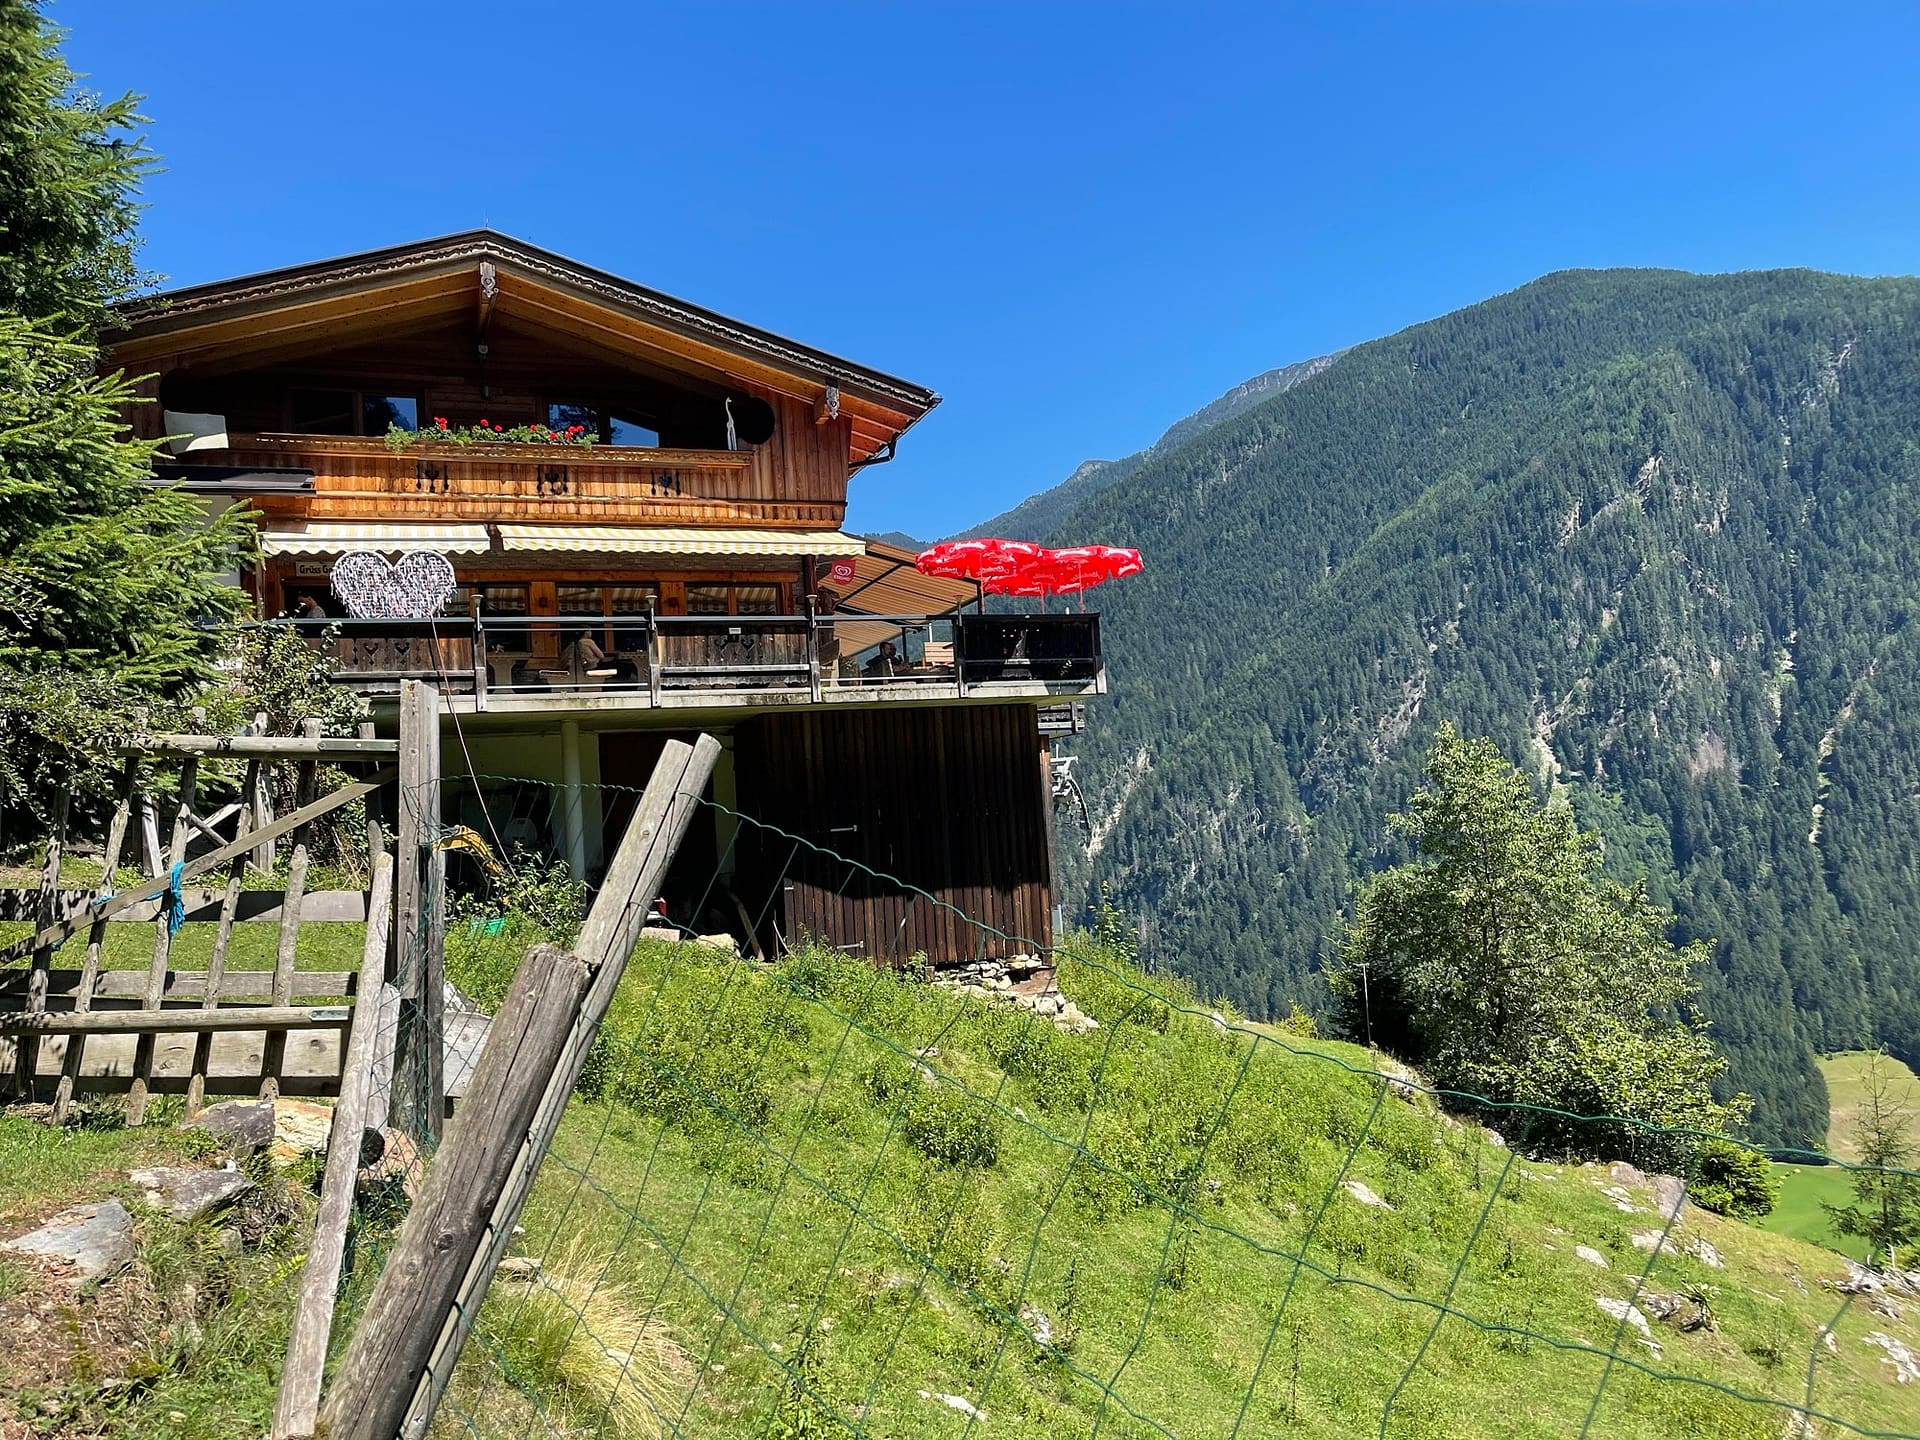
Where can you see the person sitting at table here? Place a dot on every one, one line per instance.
(886, 664)
(586, 660)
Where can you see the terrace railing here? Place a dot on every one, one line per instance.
(740, 656)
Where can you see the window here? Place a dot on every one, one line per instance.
(564, 415)
(579, 600)
(379, 413)
(610, 428)
(502, 599)
(756, 599)
(314, 411)
(707, 600)
(322, 412)
(630, 432)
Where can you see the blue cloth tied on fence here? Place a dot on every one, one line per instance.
(174, 901)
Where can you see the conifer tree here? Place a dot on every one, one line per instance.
(110, 586)
(1886, 1194)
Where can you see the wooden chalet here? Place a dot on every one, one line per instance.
(688, 572)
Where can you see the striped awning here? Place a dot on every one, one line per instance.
(335, 537)
(677, 540)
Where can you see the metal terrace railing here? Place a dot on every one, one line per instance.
(658, 660)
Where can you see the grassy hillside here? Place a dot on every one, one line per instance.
(852, 1203)
(1846, 1076)
(1806, 1190)
(1653, 532)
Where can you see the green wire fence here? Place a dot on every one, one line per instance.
(814, 1196)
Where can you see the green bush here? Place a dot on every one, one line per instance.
(1731, 1179)
(947, 1124)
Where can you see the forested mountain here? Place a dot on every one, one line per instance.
(1039, 516)
(1653, 532)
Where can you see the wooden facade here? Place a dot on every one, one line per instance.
(948, 804)
(694, 547)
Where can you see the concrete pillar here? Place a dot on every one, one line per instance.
(573, 810)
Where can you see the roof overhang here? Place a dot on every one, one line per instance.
(337, 302)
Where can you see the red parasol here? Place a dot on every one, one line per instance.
(982, 560)
(1018, 567)
(1081, 567)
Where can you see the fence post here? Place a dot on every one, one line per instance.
(298, 1402)
(419, 1061)
(395, 1337)
(403, 1352)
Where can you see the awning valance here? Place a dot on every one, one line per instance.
(677, 540)
(336, 537)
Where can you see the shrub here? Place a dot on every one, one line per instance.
(1730, 1179)
(946, 1123)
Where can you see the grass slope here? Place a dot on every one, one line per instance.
(1846, 1077)
(850, 1204)
(1806, 1190)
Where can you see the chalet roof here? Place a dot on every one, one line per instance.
(333, 299)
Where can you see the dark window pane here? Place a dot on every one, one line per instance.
(503, 599)
(633, 599)
(706, 600)
(323, 412)
(630, 432)
(564, 415)
(579, 600)
(382, 412)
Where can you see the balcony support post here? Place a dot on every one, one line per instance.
(572, 800)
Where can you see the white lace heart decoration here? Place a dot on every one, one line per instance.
(371, 588)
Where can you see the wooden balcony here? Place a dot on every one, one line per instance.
(597, 662)
(360, 478)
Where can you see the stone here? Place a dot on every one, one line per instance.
(1496, 1140)
(521, 1269)
(88, 1241)
(1622, 1173)
(244, 1126)
(1900, 1355)
(955, 1402)
(1629, 1312)
(1037, 1324)
(1591, 1256)
(1704, 1252)
(1622, 1201)
(724, 943)
(300, 1127)
(1669, 1195)
(189, 1194)
(1364, 1193)
(1647, 1240)
(1885, 1306)
(659, 932)
(385, 1154)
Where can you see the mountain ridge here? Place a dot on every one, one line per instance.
(1039, 515)
(1651, 531)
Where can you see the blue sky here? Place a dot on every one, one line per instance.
(1077, 222)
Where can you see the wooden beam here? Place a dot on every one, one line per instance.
(276, 747)
(411, 1334)
(397, 1332)
(298, 1403)
(147, 1023)
(612, 929)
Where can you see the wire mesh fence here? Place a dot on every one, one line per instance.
(813, 1195)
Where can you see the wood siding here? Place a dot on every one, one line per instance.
(361, 479)
(947, 801)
